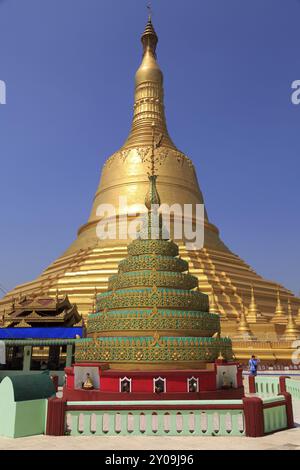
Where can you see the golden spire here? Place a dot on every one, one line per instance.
(149, 96)
(279, 316)
(290, 312)
(149, 38)
(244, 332)
(253, 310)
(291, 331)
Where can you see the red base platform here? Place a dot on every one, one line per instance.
(222, 381)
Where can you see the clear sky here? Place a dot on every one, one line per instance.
(69, 67)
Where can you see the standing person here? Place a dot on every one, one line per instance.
(253, 363)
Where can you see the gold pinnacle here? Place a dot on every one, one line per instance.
(279, 316)
(253, 310)
(244, 331)
(291, 331)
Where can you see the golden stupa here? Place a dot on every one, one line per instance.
(227, 279)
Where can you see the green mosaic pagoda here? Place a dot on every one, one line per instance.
(153, 314)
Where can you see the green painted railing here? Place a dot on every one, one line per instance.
(267, 385)
(275, 417)
(270, 386)
(250, 416)
(293, 387)
(155, 422)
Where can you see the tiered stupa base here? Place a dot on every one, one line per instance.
(80, 272)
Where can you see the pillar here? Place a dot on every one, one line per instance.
(27, 358)
(254, 416)
(56, 412)
(251, 382)
(282, 383)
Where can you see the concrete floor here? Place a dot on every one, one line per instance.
(285, 440)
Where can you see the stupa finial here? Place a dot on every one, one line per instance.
(290, 311)
(243, 324)
(149, 8)
(149, 95)
(278, 298)
(244, 332)
(149, 37)
(253, 310)
(279, 316)
(291, 331)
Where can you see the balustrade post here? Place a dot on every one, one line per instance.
(254, 416)
(282, 383)
(251, 382)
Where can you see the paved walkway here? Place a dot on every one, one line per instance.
(285, 440)
(288, 440)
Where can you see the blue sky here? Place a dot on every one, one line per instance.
(69, 67)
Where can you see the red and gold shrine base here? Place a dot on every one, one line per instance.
(97, 382)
